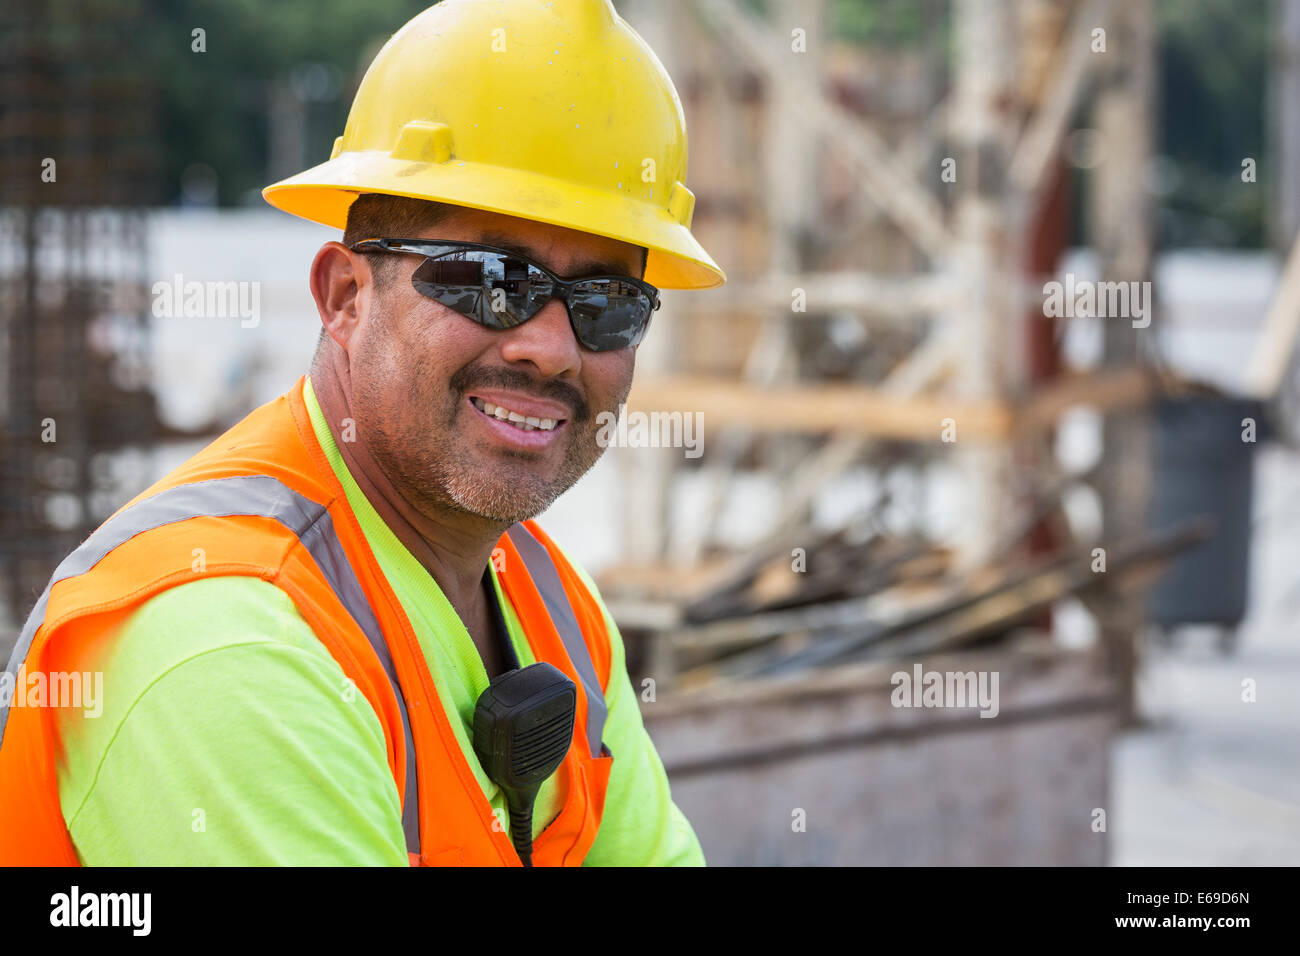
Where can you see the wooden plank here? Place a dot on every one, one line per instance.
(846, 409)
(860, 410)
(947, 616)
(897, 300)
(1275, 346)
(1107, 391)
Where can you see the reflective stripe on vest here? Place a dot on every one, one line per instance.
(250, 495)
(309, 521)
(547, 581)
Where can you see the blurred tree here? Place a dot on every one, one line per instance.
(216, 104)
(1214, 61)
(300, 61)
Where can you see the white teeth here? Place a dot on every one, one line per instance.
(526, 423)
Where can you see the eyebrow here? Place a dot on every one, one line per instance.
(584, 270)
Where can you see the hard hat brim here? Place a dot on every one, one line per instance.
(324, 194)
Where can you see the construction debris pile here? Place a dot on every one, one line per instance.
(861, 592)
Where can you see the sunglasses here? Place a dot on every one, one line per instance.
(499, 289)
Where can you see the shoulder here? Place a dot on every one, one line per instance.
(193, 625)
(205, 615)
(207, 674)
(224, 715)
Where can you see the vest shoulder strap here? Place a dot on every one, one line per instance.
(156, 533)
(569, 605)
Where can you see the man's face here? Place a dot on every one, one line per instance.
(424, 379)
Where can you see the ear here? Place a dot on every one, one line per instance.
(341, 283)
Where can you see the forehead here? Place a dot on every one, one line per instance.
(567, 252)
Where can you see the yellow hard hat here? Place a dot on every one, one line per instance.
(550, 110)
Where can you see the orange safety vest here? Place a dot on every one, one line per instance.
(263, 500)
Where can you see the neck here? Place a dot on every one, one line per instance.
(453, 546)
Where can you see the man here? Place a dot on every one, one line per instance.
(295, 627)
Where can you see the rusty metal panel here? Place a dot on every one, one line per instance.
(885, 785)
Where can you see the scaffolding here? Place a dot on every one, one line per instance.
(909, 200)
(78, 165)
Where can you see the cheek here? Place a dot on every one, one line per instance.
(414, 348)
(609, 377)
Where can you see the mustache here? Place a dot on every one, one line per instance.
(470, 378)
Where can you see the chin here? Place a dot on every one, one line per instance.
(504, 504)
(507, 491)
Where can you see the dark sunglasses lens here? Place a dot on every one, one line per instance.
(609, 314)
(494, 290)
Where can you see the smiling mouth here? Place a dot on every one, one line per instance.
(522, 422)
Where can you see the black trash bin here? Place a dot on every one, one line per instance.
(1202, 466)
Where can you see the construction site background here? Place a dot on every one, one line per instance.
(915, 455)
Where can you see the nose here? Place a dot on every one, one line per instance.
(546, 341)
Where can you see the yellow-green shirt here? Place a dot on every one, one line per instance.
(227, 735)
